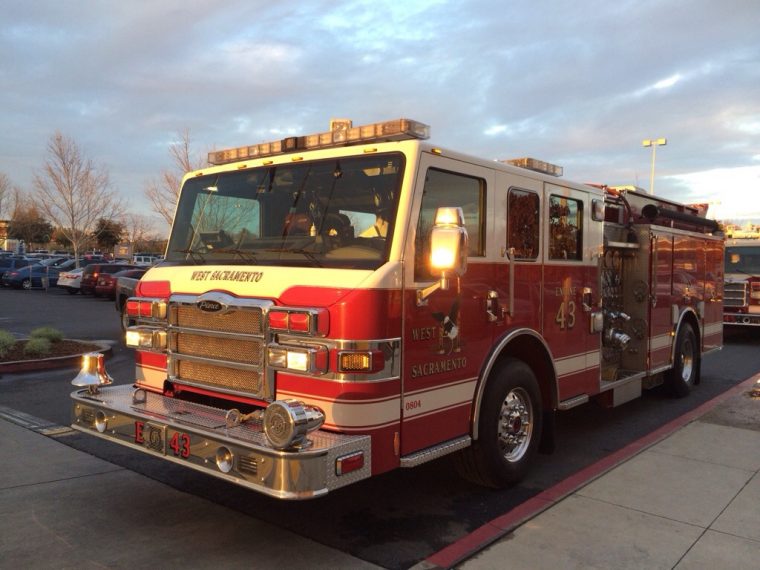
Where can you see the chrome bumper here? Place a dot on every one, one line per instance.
(193, 435)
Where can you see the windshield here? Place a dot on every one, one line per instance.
(330, 213)
(743, 260)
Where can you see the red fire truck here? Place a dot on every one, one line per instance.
(337, 305)
(742, 287)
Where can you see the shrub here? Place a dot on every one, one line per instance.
(7, 340)
(53, 335)
(38, 347)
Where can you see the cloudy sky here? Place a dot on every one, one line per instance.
(578, 83)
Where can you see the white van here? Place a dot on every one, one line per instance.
(144, 260)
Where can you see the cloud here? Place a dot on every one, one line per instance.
(577, 86)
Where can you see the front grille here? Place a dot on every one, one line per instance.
(735, 294)
(235, 321)
(247, 351)
(219, 350)
(248, 381)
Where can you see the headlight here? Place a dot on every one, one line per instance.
(151, 339)
(287, 422)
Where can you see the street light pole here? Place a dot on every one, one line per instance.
(654, 143)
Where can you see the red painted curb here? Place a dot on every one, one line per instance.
(502, 525)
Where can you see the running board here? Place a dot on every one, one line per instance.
(573, 402)
(430, 453)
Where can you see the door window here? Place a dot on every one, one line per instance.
(453, 190)
(565, 228)
(522, 223)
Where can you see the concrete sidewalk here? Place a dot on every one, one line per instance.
(690, 501)
(62, 508)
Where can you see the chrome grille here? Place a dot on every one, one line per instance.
(248, 351)
(222, 350)
(248, 381)
(735, 294)
(247, 321)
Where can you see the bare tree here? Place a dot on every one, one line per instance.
(73, 193)
(136, 228)
(164, 192)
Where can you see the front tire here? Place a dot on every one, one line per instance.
(685, 372)
(509, 428)
(26, 284)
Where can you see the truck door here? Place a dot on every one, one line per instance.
(570, 288)
(446, 337)
(664, 282)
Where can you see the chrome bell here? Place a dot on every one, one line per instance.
(93, 373)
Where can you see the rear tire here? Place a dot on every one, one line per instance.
(26, 284)
(509, 428)
(72, 291)
(685, 372)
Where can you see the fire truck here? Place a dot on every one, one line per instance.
(338, 305)
(742, 287)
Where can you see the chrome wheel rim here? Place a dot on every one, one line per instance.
(515, 425)
(687, 360)
(26, 284)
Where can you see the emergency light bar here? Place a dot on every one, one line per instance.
(341, 134)
(536, 165)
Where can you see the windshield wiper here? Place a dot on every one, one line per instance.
(193, 254)
(307, 254)
(245, 254)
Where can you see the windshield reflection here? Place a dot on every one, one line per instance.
(743, 260)
(331, 213)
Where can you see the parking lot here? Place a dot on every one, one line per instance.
(77, 316)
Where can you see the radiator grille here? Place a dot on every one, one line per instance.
(207, 349)
(247, 321)
(735, 294)
(248, 381)
(248, 351)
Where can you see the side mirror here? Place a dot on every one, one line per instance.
(448, 250)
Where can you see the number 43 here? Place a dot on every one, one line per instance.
(566, 315)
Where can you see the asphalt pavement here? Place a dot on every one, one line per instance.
(62, 508)
(694, 477)
(686, 496)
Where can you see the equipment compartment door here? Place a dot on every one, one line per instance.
(661, 300)
(712, 335)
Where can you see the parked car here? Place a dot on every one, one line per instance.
(106, 285)
(43, 273)
(70, 280)
(94, 270)
(126, 284)
(9, 264)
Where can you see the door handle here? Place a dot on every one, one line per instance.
(587, 300)
(494, 310)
